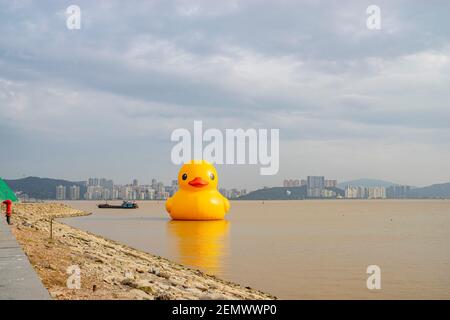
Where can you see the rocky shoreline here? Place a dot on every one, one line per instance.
(108, 270)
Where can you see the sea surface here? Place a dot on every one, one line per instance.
(299, 249)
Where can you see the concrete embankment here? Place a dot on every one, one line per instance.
(18, 280)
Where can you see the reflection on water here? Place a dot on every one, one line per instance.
(200, 244)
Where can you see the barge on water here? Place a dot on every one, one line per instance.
(124, 205)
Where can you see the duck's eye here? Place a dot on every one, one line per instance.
(184, 176)
(211, 175)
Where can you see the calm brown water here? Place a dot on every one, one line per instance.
(299, 249)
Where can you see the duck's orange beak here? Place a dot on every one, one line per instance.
(198, 182)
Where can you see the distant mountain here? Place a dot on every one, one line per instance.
(434, 191)
(366, 183)
(276, 193)
(296, 193)
(282, 193)
(42, 188)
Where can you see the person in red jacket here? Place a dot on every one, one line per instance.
(8, 204)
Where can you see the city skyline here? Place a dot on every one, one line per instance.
(317, 187)
(106, 189)
(282, 182)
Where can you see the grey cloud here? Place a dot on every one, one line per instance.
(310, 68)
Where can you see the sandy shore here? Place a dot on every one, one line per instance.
(109, 270)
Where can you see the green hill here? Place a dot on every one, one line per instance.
(441, 190)
(282, 193)
(364, 182)
(42, 188)
(276, 193)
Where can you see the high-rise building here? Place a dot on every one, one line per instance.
(94, 193)
(173, 188)
(352, 192)
(74, 192)
(160, 191)
(127, 193)
(376, 192)
(106, 194)
(135, 182)
(60, 192)
(93, 182)
(105, 183)
(397, 192)
(314, 186)
(149, 194)
(330, 183)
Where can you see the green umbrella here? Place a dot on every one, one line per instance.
(6, 192)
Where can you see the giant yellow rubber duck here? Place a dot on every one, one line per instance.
(197, 197)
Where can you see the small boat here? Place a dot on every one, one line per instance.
(124, 205)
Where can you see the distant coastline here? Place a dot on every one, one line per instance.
(438, 191)
(37, 189)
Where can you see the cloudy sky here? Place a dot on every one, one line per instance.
(103, 100)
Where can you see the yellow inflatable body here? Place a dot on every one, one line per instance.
(197, 197)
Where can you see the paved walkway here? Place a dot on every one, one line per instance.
(18, 280)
